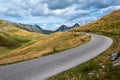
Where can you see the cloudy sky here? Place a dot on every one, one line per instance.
(49, 14)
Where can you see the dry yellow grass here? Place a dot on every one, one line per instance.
(10, 35)
(20, 32)
(2, 23)
(50, 44)
(31, 45)
(108, 25)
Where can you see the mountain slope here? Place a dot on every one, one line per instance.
(18, 44)
(75, 25)
(43, 46)
(109, 24)
(7, 40)
(101, 67)
(12, 37)
(31, 28)
(36, 28)
(63, 28)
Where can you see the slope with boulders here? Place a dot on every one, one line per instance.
(101, 67)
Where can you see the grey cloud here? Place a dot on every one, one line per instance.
(60, 4)
(67, 9)
(98, 4)
(78, 15)
(84, 4)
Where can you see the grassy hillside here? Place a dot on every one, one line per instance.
(12, 37)
(107, 24)
(99, 68)
(18, 45)
(7, 40)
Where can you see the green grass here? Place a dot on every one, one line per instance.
(7, 41)
(5, 51)
(21, 38)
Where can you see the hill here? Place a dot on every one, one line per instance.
(7, 40)
(18, 44)
(108, 24)
(31, 28)
(12, 37)
(37, 28)
(101, 67)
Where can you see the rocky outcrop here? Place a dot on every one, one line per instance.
(115, 58)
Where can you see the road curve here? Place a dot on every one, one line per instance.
(44, 67)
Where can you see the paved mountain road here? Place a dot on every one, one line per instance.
(44, 67)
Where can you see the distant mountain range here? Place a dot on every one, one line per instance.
(63, 28)
(31, 28)
(38, 29)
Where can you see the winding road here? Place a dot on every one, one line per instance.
(45, 67)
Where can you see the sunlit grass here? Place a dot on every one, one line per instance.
(45, 45)
(30, 45)
(99, 68)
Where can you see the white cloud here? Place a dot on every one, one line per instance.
(46, 11)
(44, 24)
(55, 26)
(35, 2)
(110, 8)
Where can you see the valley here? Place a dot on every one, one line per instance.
(17, 44)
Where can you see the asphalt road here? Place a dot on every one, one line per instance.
(45, 67)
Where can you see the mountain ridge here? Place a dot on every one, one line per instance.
(63, 28)
(38, 29)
